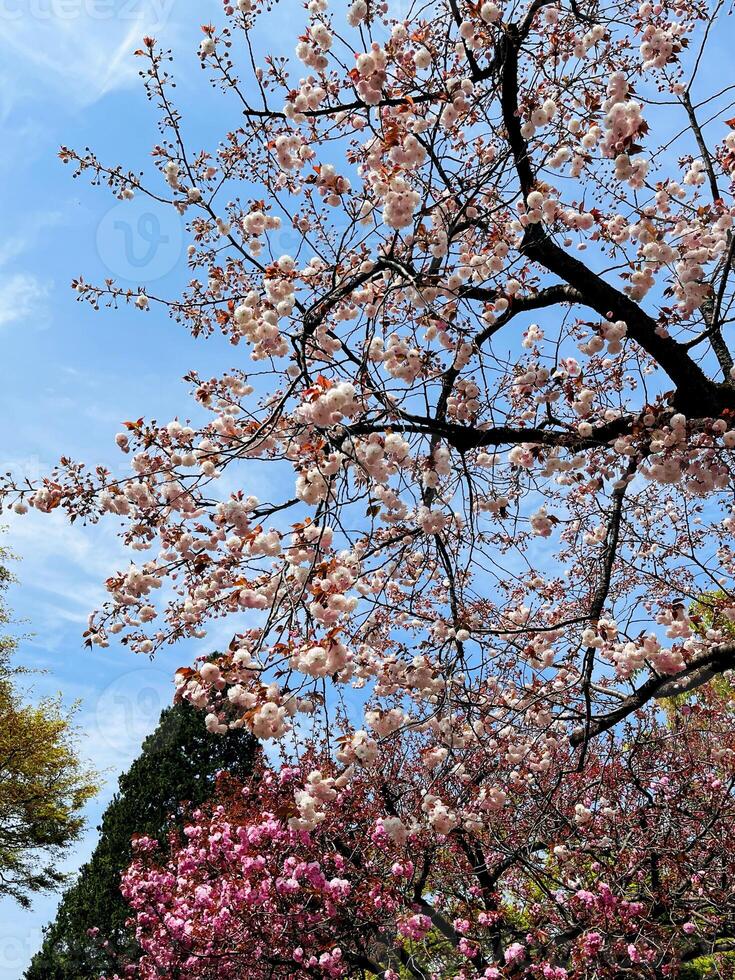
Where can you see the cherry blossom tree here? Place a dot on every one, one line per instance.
(622, 869)
(494, 390)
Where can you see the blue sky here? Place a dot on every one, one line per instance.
(70, 376)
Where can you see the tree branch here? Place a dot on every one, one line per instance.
(697, 672)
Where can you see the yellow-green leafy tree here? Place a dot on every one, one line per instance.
(707, 612)
(43, 784)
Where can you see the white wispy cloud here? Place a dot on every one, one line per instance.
(83, 46)
(26, 234)
(77, 51)
(23, 298)
(24, 294)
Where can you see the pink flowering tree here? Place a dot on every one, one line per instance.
(623, 869)
(491, 390)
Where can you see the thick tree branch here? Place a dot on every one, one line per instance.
(695, 393)
(697, 672)
(464, 438)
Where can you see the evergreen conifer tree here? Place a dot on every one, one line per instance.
(177, 766)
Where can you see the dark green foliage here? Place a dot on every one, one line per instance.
(177, 764)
